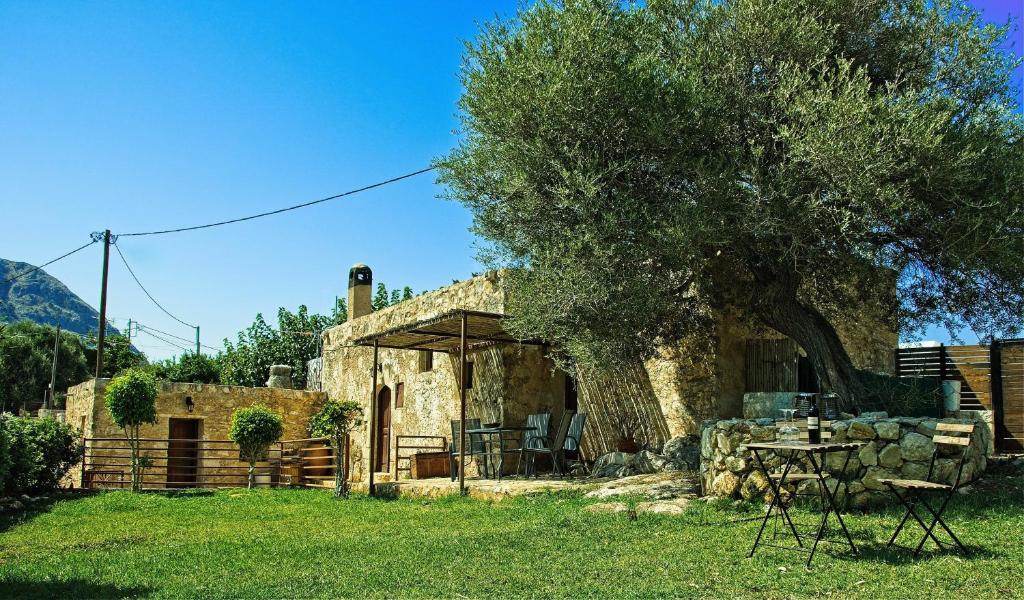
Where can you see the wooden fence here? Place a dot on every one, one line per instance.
(991, 378)
(192, 463)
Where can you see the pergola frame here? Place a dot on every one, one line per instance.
(450, 333)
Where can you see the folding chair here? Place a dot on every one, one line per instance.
(915, 490)
(552, 446)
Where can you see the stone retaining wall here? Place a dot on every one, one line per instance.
(897, 447)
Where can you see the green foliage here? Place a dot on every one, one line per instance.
(131, 398)
(380, 298)
(407, 293)
(39, 452)
(189, 368)
(118, 354)
(295, 342)
(254, 429)
(903, 396)
(650, 163)
(26, 359)
(335, 421)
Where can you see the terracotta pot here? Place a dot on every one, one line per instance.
(630, 446)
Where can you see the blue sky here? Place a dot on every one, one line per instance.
(139, 116)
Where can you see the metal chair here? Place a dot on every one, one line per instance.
(552, 446)
(915, 489)
(476, 446)
(573, 443)
(538, 424)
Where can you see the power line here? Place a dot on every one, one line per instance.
(158, 305)
(46, 264)
(164, 340)
(142, 326)
(281, 210)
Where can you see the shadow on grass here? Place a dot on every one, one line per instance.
(75, 588)
(182, 493)
(32, 509)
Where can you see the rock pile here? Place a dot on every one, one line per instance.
(680, 453)
(894, 448)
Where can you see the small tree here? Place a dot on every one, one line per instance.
(131, 401)
(334, 421)
(254, 429)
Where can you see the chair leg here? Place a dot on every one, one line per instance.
(937, 519)
(915, 499)
(451, 466)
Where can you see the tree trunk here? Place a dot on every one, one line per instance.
(133, 444)
(339, 468)
(252, 472)
(778, 307)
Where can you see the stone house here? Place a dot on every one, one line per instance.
(417, 391)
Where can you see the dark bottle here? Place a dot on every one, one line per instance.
(814, 420)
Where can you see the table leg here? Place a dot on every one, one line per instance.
(501, 455)
(831, 497)
(776, 502)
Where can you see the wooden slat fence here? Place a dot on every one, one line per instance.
(991, 378)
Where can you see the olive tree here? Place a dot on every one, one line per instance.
(335, 421)
(131, 400)
(648, 165)
(254, 429)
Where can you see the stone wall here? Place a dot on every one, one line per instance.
(894, 448)
(212, 407)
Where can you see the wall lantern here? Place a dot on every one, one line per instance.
(189, 404)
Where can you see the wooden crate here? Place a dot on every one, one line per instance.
(429, 464)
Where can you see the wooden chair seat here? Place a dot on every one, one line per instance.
(915, 484)
(799, 476)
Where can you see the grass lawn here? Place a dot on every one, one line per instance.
(303, 543)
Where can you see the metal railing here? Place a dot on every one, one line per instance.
(196, 463)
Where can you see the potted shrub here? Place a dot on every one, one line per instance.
(254, 429)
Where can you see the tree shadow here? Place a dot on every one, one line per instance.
(74, 588)
(31, 510)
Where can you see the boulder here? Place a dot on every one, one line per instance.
(912, 470)
(754, 486)
(646, 461)
(860, 430)
(725, 484)
(916, 446)
(890, 457)
(888, 430)
(871, 478)
(684, 452)
(614, 464)
(736, 464)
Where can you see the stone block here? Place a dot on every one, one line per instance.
(736, 464)
(913, 470)
(860, 430)
(760, 433)
(880, 414)
(926, 427)
(868, 455)
(754, 486)
(916, 446)
(834, 462)
(888, 430)
(873, 474)
(725, 484)
(890, 457)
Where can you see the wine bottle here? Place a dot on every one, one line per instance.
(814, 421)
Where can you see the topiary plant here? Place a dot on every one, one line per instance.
(334, 421)
(131, 401)
(254, 429)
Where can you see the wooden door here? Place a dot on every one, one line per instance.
(383, 430)
(182, 453)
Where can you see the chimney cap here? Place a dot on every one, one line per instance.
(359, 274)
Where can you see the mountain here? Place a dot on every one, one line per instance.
(42, 298)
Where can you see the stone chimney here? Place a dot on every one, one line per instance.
(360, 286)
(280, 377)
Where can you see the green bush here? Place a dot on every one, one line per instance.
(254, 429)
(131, 401)
(903, 396)
(39, 452)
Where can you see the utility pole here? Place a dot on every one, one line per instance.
(197, 340)
(129, 333)
(103, 304)
(53, 371)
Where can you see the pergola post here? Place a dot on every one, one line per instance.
(373, 419)
(462, 407)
